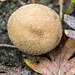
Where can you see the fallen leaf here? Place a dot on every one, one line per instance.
(5, 70)
(60, 61)
(70, 20)
(70, 33)
(41, 67)
(68, 58)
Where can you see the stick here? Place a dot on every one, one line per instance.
(61, 8)
(6, 45)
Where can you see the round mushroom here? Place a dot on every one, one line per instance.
(35, 29)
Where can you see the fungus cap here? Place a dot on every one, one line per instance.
(35, 29)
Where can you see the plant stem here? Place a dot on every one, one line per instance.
(69, 8)
(61, 8)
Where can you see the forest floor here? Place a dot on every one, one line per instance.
(12, 57)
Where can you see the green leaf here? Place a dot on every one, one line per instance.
(69, 8)
(71, 5)
(73, 1)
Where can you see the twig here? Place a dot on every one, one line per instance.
(33, 1)
(61, 8)
(6, 45)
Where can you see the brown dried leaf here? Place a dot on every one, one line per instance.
(68, 58)
(9, 70)
(62, 61)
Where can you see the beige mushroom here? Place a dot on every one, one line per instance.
(35, 29)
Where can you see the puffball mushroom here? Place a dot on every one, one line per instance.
(35, 29)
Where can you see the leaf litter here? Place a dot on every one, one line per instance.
(61, 62)
(5, 70)
(70, 20)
